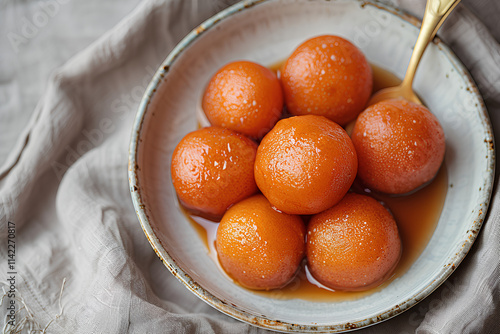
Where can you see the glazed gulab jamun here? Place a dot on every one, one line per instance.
(212, 168)
(305, 164)
(327, 76)
(259, 247)
(400, 146)
(354, 245)
(245, 97)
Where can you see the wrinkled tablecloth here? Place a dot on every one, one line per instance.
(71, 77)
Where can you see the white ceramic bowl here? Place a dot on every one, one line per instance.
(267, 32)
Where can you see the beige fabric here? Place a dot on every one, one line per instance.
(63, 178)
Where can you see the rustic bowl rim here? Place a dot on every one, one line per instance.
(233, 310)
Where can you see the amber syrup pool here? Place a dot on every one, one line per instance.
(416, 214)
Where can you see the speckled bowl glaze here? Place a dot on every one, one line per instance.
(267, 32)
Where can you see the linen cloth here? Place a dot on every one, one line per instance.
(66, 109)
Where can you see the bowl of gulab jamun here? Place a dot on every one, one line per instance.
(274, 191)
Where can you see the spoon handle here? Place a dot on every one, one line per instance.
(436, 12)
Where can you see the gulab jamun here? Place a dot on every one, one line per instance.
(400, 146)
(244, 96)
(212, 169)
(305, 164)
(354, 245)
(258, 246)
(327, 76)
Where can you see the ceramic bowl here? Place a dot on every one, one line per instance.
(266, 32)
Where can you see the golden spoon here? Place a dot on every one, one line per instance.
(436, 11)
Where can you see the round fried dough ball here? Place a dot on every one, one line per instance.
(305, 164)
(328, 76)
(354, 245)
(245, 97)
(212, 168)
(400, 146)
(258, 246)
